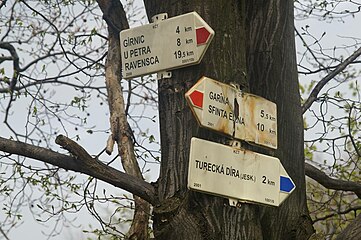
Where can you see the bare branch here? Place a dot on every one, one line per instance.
(316, 90)
(114, 15)
(350, 133)
(4, 234)
(332, 183)
(89, 166)
(15, 59)
(110, 144)
(74, 148)
(2, 3)
(320, 69)
(309, 49)
(356, 208)
(3, 59)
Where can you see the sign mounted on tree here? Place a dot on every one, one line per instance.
(225, 109)
(237, 173)
(172, 43)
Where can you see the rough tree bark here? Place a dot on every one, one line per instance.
(272, 73)
(265, 29)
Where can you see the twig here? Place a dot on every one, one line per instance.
(4, 234)
(337, 213)
(2, 3)
(316, 90)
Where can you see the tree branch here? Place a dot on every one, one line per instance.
(4, 234)
(316, 90)
(338, 213)
(16, 65)
(114, 15)
(309, 49)
(2, 3)
(352, 231)
(354, 144)
(83, 163)
(332, 183)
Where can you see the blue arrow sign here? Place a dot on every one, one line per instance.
(286, 184)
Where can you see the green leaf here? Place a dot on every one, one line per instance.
(35, 111)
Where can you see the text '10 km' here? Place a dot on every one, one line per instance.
(227, 110)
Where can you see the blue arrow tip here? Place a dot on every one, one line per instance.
(286, 185)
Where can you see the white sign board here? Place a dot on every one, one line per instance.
(237, 173)
(225, 109)
(172, 43)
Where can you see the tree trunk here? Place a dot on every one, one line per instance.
(272, 73)
(265, 29)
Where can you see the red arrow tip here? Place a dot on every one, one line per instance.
(202, 35)
(197, 98)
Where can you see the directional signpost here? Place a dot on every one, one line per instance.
(237, 173)
(172, 43)
(213, 168)
(225, 109)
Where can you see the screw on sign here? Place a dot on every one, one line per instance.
(225, 109)
(164, 45)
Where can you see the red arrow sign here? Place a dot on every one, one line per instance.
(234, 113)
(202, 35)
(197, 98)
(163, 44)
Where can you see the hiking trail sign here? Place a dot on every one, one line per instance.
(236, 173)
(226, 109)
(164, 45)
